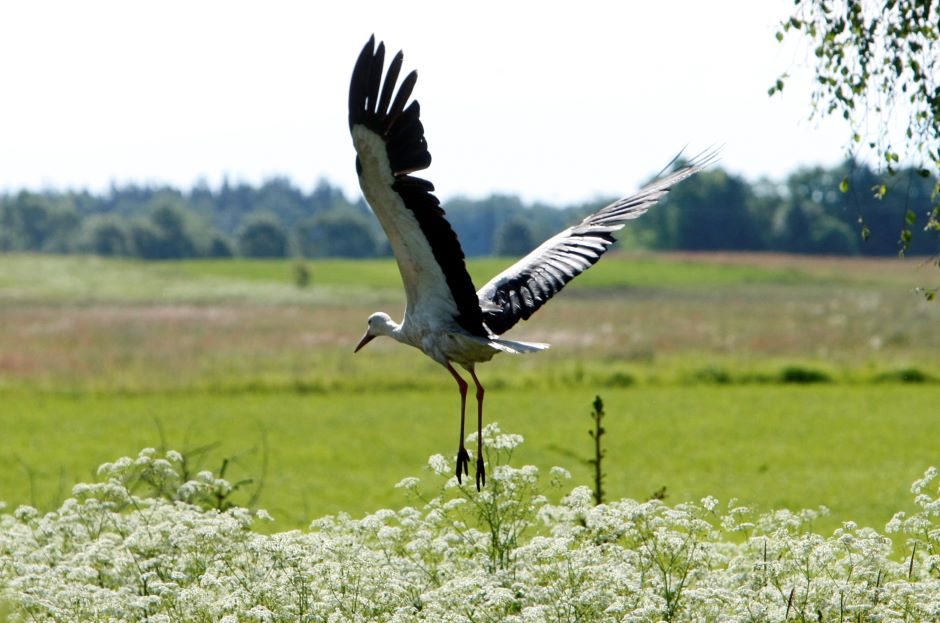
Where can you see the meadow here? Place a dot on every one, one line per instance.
(781, 381)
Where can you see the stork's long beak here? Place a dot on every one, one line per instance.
(368, 337)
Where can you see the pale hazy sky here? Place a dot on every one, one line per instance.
(554, 102)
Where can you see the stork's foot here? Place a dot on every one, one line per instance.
(481, 473)
(463, 463)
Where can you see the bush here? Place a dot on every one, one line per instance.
(801, 375)
(618, 379)
(904, 375)
(713, 375)
(506, 554)
(301, 275)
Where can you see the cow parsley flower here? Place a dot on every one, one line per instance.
(709, 503)
(438, 464)
(114, 551)
(409, 482)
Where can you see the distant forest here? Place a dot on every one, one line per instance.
(814, 211)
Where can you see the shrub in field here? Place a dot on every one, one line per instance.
(711, 374)
(904, 375)
(803, 375)
(505, 554)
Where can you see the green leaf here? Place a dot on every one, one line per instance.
(844, 184)
(864, 231)
(905, 240)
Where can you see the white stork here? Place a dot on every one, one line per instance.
(445, 316)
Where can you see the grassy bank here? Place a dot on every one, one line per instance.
(850, 448)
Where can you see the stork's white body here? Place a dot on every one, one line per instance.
(445, 317)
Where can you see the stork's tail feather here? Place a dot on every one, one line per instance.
(518, 348)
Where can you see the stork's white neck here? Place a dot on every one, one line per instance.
(381, 323)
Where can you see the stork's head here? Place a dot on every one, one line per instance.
(380, 323)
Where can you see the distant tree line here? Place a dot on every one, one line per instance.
(814, 210)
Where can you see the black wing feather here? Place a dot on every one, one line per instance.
(391, 77)
(401, 98)
(407, 150)
(375, 78)
(549, 268)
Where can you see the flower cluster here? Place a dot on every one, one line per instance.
(170, 553)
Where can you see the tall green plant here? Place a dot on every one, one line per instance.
(598, 431)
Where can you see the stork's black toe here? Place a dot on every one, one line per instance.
(481, 473)
(463, 463)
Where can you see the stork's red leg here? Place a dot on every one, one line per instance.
(481, 469)
(463, 458)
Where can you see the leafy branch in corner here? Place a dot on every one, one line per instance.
(877, 65)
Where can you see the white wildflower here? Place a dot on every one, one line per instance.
(25, 513)
(260, 614)
(506, 442)
(438, 464)
(504, 554)
(174, 457)
(409, 483)
(919, 485)
(709, 503)
(896, 522)
(454, 504)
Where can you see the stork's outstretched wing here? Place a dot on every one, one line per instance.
(390, 145)
(520, 290)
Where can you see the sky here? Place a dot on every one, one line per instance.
(554, 102)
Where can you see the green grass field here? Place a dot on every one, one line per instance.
(696, 356)
(853, 449)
